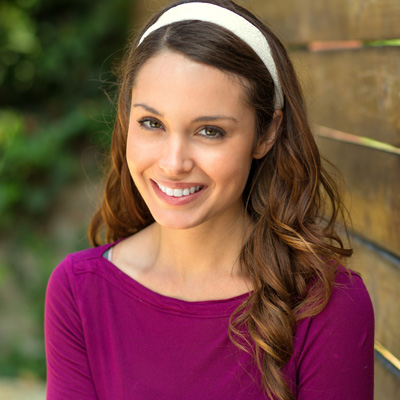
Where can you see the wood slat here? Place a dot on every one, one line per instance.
(389, 359)
(359, 140)
(144, 9)
(381, 276)
(307, 20)
(354, 91)
(387, 386)
(373, 190)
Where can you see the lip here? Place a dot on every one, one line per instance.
(177, 201)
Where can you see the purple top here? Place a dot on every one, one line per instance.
(109, 337)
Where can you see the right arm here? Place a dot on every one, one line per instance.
(68, 371)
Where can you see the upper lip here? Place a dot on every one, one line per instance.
(177, 185)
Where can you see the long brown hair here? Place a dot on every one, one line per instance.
(292, 254)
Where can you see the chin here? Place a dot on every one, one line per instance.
(178, 222)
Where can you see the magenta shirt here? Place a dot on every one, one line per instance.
(109, 337)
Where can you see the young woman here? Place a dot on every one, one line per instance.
(221, 276)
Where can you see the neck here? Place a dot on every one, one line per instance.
(208, 250)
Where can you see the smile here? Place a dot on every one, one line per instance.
(179, 192)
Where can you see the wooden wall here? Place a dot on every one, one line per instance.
(348, 60)
(350, 70)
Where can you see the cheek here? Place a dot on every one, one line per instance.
(138, 154)
(231, 167)
(131, 155)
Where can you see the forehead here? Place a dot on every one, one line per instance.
(169, 78)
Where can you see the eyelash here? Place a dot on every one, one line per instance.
(220, 133)
(142, 123)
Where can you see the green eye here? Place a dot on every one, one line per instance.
(212, 132)
(154, 124)
(150, 123)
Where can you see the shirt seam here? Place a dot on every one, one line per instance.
(144, 301)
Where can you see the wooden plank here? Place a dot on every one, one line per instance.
(387, 358)
(381, 276)
(307, 20)
(354, 91)
(373, 190)
(387, 386)
(144, 9)
(359, 140)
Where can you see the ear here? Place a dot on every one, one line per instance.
(265, 143)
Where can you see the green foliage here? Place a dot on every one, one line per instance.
(52, 55)
(55, 55)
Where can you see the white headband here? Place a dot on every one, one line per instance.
(238, 25)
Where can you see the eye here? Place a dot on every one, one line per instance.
(212, 132)
(150, 123)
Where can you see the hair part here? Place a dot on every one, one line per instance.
(292, 254)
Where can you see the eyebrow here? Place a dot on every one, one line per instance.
(205, 118)
(147, 108)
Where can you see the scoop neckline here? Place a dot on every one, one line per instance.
(199, 308)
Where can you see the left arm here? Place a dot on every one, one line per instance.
(337, 359)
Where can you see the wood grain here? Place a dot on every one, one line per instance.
(354, 91)
(381, 276)
(307, 20)
(372, 190)
(144, 9)
(387, 385)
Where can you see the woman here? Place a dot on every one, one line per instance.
(221, 276)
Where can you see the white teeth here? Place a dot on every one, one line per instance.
(179, 192)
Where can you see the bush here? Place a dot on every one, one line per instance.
(55, 55)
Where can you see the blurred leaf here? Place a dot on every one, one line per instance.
(19, 29)
(10, 126)
(54, 55)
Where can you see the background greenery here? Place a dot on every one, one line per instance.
(55, 59)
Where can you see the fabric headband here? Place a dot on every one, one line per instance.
(229, 20)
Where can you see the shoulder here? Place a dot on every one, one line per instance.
(334, 350)
(347, 320)
(88, 254)
(75, 279)
(75, 264)
(349, 299)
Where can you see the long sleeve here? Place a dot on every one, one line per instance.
(68, 372)
(337, 359)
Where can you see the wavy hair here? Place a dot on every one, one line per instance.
(292, 254)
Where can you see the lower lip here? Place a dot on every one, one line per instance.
(176, 201)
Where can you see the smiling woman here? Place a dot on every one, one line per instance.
(221, 275)
(171, 146)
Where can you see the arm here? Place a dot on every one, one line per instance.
(68, 372)
(337, 359)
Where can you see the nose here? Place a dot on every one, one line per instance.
(176, 157)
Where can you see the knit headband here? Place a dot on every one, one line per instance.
(229, 20)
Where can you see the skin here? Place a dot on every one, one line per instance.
(190, 126)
